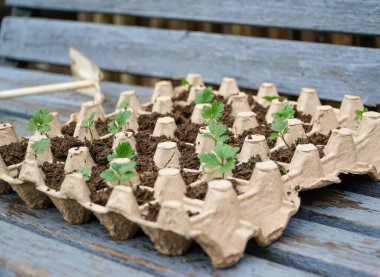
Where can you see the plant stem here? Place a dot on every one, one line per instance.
(91, 136)
(287, 145)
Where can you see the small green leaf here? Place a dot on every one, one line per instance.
(208, 159)
(40, 146)
(124, 104)
(89, 122)
(41, 121)
(184, 81)
(229, 165)
(273, 136)
(123, 150)
(214, 112)
(85, 171)
(204, 96)
(225, 151)
(278, 126)
(120, 120)
(108, 176)
(359, 114)
(270, 98)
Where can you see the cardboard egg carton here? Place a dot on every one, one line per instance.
(259, 208)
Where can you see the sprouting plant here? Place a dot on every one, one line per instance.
(123, 150)
(119, 173)
(280, 124)
(221, 159)
(284, 113)
(40, 146)
(284, 170)
(41, 121)
(117, 124)
(88, 124)
(124, 105)
(270, 98)
(85, 172)
(214, 112)
(280, 128)
(205, 96)
(217, 131)
(359, 114)
(186, 83)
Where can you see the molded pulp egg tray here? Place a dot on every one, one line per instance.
(233, 210)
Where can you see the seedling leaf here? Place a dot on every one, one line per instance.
(88, 123)
(214, 112)
(116, 126)
(119, 173)
(85, 172)
(204, 96)
(40, 146)
(124, 104)
(123, 150)
(41, 121)
(359, 114)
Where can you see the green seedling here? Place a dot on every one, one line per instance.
(186, 83)
(116, 126)
(123, 150)
(280, 125)
(222, 159)
(124, 105)
(359, 114)
(205, 96)
(271, 98)
(119, 173)
(217, 131)
(88, 124)
(85, 172)
(214, 112)
(284, 113)
(284, 170)
(40, 146)
(41, 121)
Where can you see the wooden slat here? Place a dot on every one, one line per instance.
(342, 209)
(291, 65)
(325, 250)
(64, 103)
(24, 253)
(137, 253)
(350, 16)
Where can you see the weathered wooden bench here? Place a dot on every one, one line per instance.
(336, 232)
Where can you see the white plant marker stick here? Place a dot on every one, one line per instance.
(86, 74)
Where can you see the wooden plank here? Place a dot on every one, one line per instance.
(137, 253)
(291, 65)
(324, 250)
(65, 103)
(342, 209)
(25, 253)
(341, 16)
(360, 184)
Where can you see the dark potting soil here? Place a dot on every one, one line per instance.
(264, 130)
(69, 129)
(187, 132)
(146, 144)
(189, 158)
(244, 170)
(54, 174)
(199, 192)
(143, 196)
(305, 118)
(100, 149)
(260, 112)
(147, 170)
(14, 152)
(60, 146)
(285, 155)
(153, 210)
(148, 121)
(307, 127)
(96, 183)
(101, 196)
(190, 177)
(181, 96)
(102, 126)
(227, 118)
